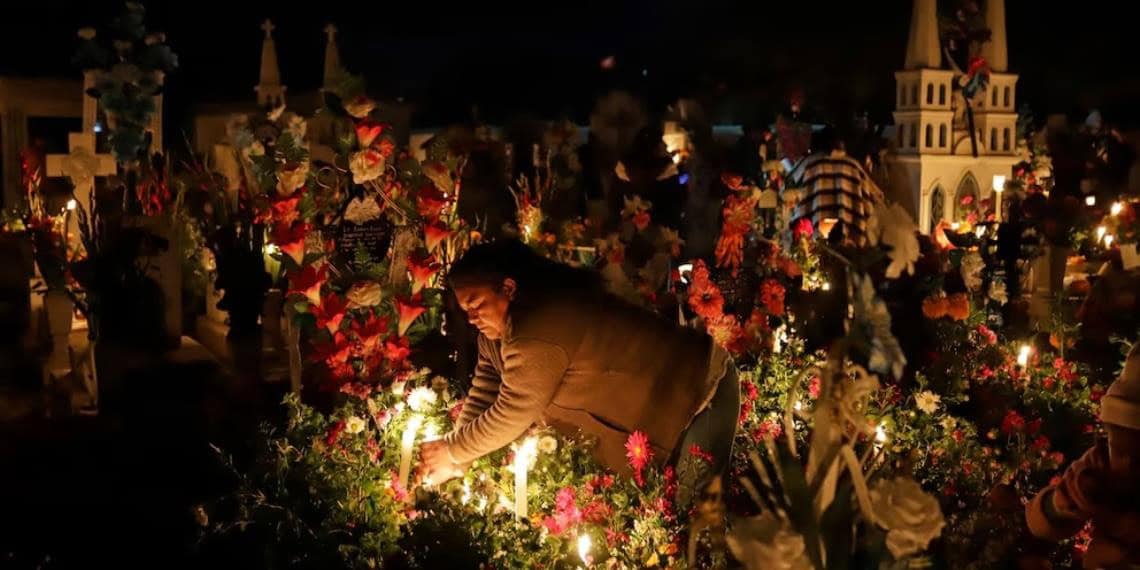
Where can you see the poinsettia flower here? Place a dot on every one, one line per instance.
(637, 451)
(330, 313)
(366, 165)
(435, 234)
(367, 131)
(409, 310)
(422, 269)
(290, 239)
(308, 282)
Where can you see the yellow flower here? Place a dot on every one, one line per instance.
(652, 561)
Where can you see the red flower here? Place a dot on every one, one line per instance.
(308, 282)
(967, 200)
(409, 310)
(615, 538)
(386, 148)
(696, 451)
(641, 220)
(637, 451)
(957, 436)
(1096, 393)
(370, 331)
(707, 302)
(358, 389)
(422, 270)
(374, 450)
(596, 512)
(1048, 383)
(396, 351)
(284, 211)
(802, 229)
(434, 234)
(977, 64)
(367, 131)
(430, 202)
(334, 433)
(290, 239)
(772, 297)
(700, 275)
(767, 429)
(732, 181)
(330, 313)
(1040, 444)
(813, 387)
(1012, 422)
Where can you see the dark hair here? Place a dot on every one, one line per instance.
(536, 277)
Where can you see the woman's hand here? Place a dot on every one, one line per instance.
(437, 464)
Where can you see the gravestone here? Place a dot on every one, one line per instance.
(362, 227)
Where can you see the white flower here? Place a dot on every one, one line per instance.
(290, 179)
(364, 294)
(949, 423)
(296, 126)
(766, 542)
(911, 517)
(353, 424)
(892, 226)
(360, 107)
(421, 399)
(927, 401)
(998, 292)
(366, 165)
(547, 444)
(635, 205)
(360, 211)
(972, 265)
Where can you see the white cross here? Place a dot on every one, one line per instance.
(81, 164)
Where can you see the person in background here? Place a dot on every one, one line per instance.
(555, 348)
(1101, 486)
(837, 194)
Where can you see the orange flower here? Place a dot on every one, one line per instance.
(732, 181)
(409, 310)
(435, 234)
(396, 351)
(935, 307)
(707, 302)
(958, 306)
(290, 239)
(370, 331)
(308, 282)
(367, 131)
(285, 211)
(430, 202)
(422, 270)
(330, 313)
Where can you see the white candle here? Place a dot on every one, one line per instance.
(406, 444)
(584, 548)
(999, 187)
(523, 456)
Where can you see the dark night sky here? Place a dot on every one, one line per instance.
(740, 58)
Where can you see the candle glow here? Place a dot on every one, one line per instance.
(584, 544)
(1023, 355)
(1117, 207)
(524, 456)
(406, 443)
(1090, 200)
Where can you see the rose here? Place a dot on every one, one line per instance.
(364, 294)
(911, 517)
(767, 542)
(366, 165)
(292, 178)
(353, 424)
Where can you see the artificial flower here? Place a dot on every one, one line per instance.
(330, 313)
(367, 131)
(366, 165)
(409, 310)
(364, 294)
(802, 229)
(440, 175)
(434, 235)
(871, 313)
(308, 282)
(422, 399)
(353, 424)
(998, 292)
(893, 227)
(768, 542)
(935, 306)
(958, 306)
(360, 106)
(911, 516)
(290, 239)
(362, 210)
(292, 177)
(927, 401)
(422, 270)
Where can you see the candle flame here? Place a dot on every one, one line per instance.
(525, 455)
(880, 435)
(1090, 200)
(1100, 231)
(72, 204)
(584, 548)
(1023, 355)
(1117, 207)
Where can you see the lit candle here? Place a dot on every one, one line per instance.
(584, 548)
(1117, 207)
(1023, 355)
(406, 444)
(999, 187)
(880, 436)
(1090, 200)
(1100, 231)
(523, 456)
(1108, 240)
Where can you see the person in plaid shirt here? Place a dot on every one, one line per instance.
(835, 190)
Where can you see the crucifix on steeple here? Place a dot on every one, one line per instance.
(270, 91)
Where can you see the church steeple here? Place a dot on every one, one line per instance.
(270, 91)
(332, 58)
(923, 50)
(995, 51)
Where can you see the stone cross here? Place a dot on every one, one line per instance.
(82, 164)
(268, 27)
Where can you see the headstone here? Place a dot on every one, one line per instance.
(362, 227)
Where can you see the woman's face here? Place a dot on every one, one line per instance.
(486, 306)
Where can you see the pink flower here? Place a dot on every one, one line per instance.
(813, 387)
(988, 335)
